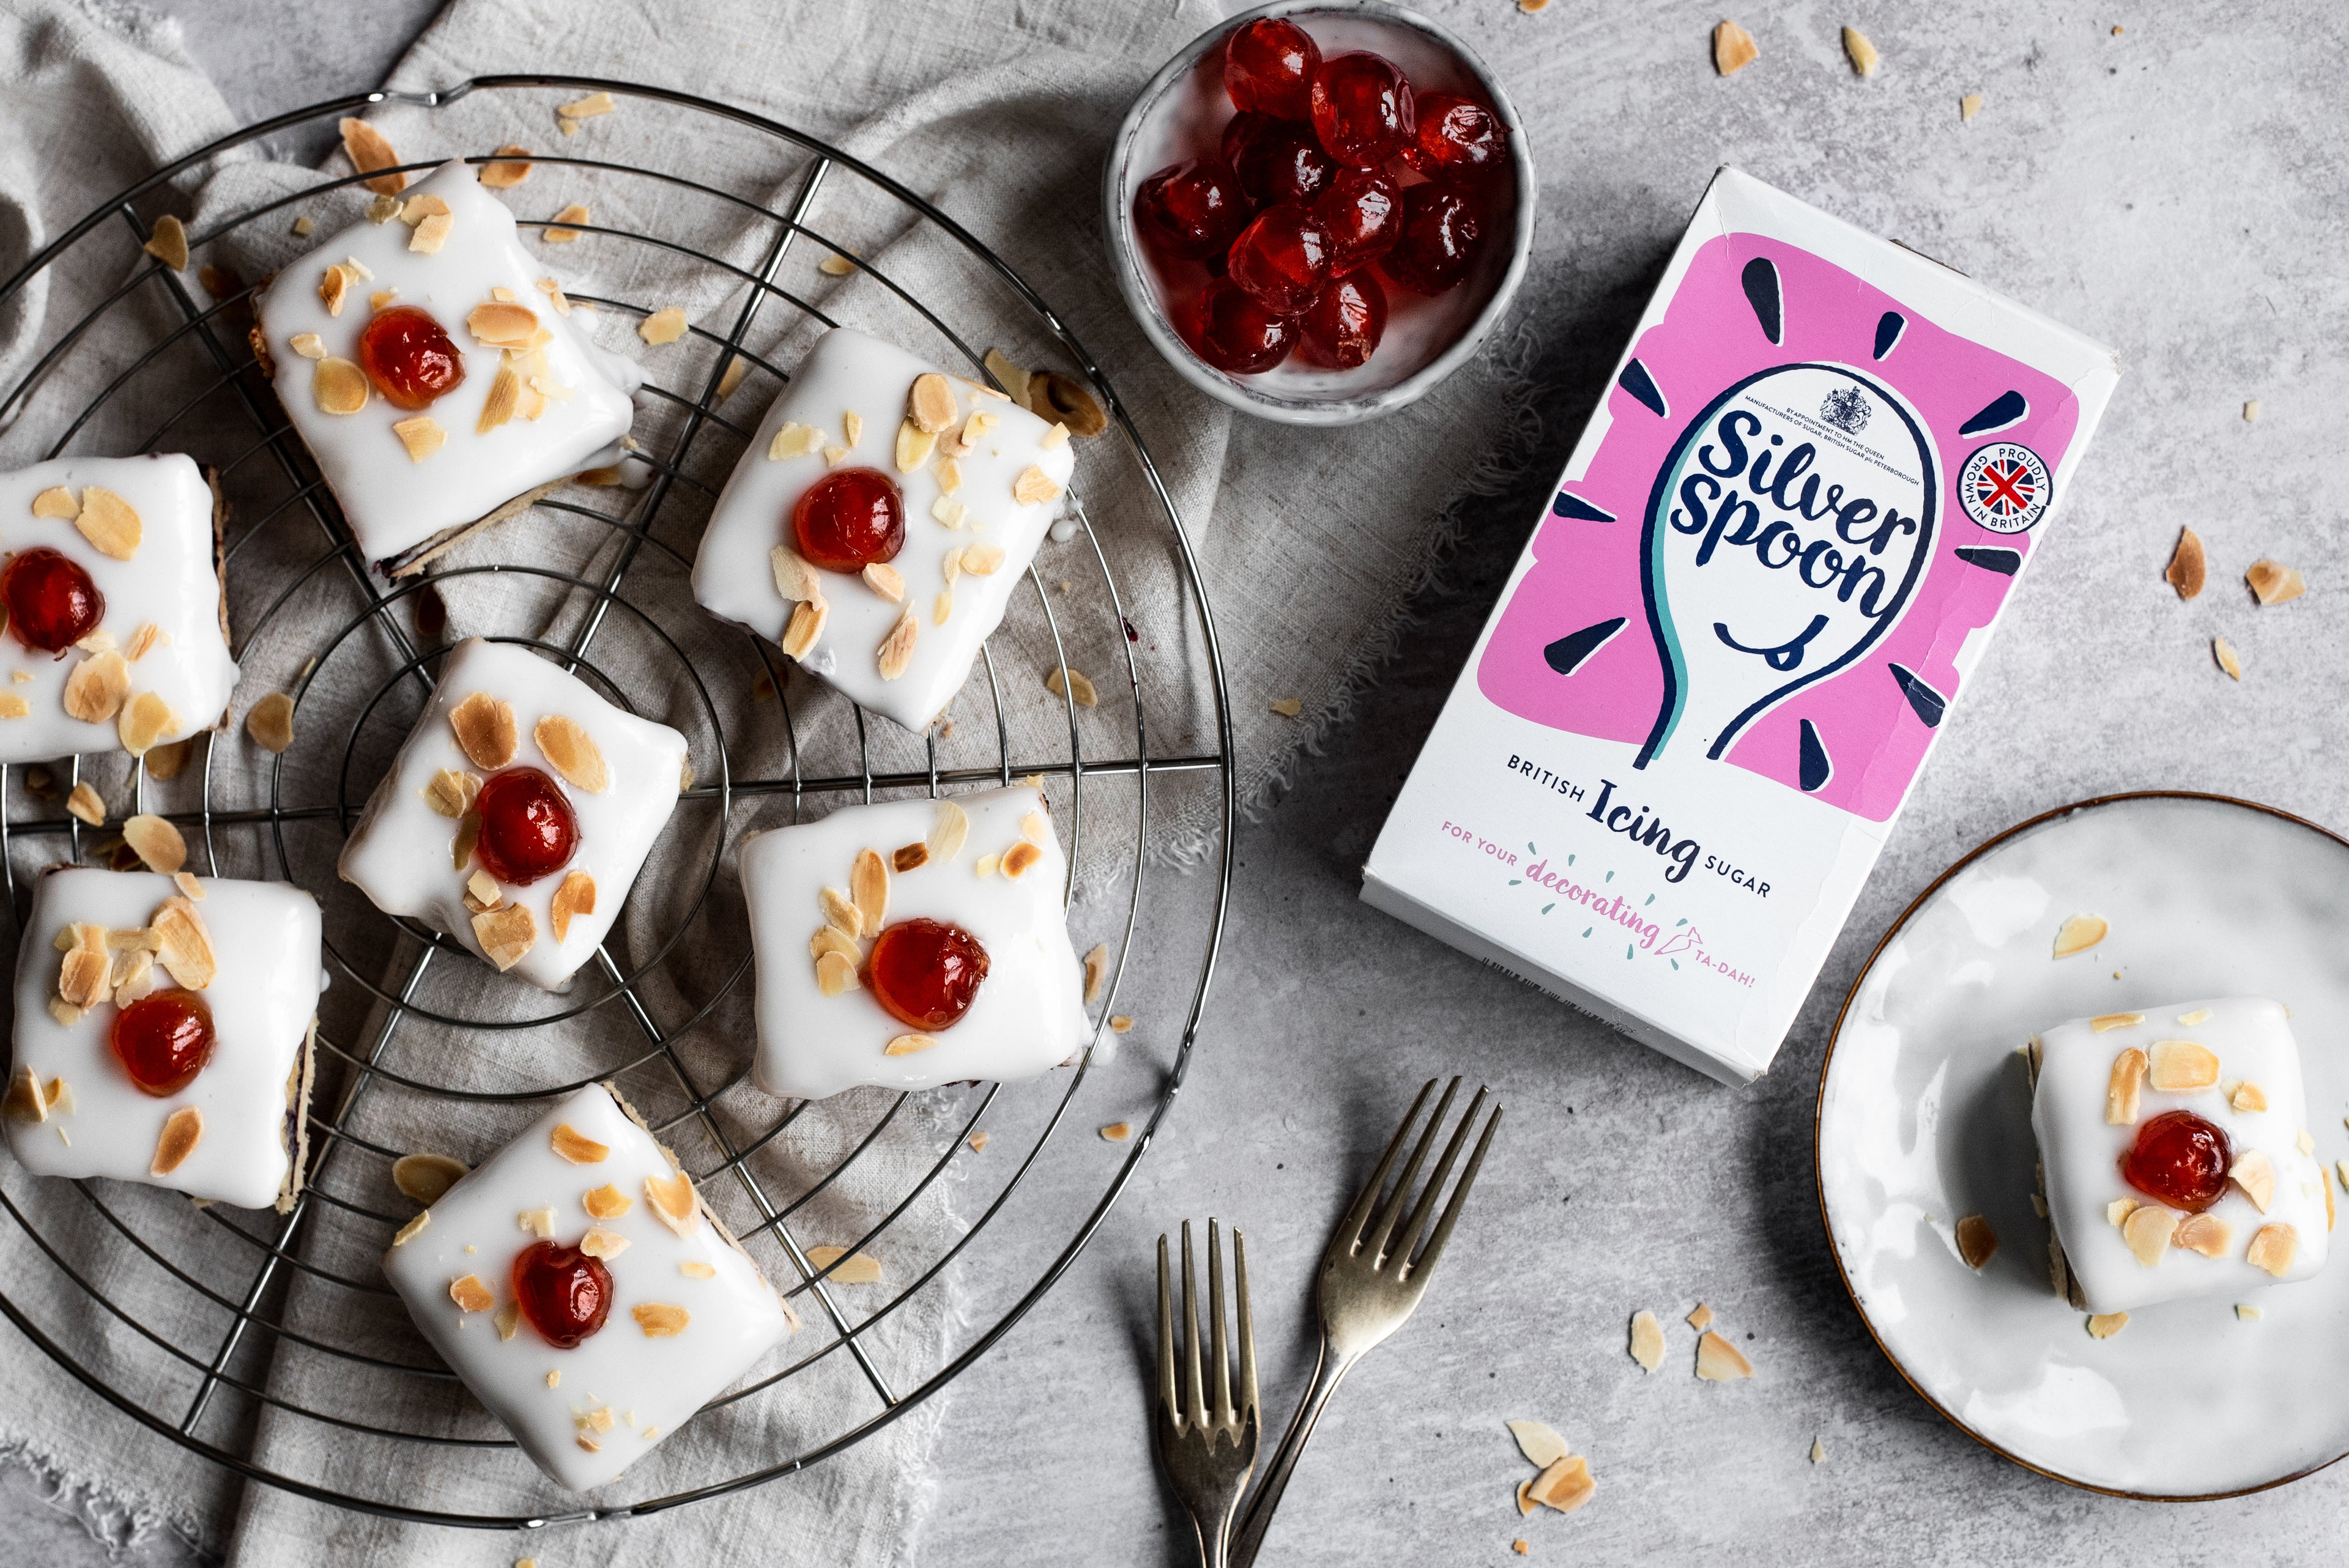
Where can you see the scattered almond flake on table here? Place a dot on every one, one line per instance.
(508, 169)
(365, 146)
(1531, 8)
(1732, 48)
(1860, 51)
(1976, 1241)
(860, 1269)
(978, 1142)
(1646, 1340)
(836, 265)
(588, 108)
(1117, 1131)
(1287, 707)
(2250, 409)
(2188, 566)
(1518, 1546)
(2105, 1325)
(2224, 652)
(2079, 934)
(1564, 1486)
(555, 234)
(155, 842)
(303, 225)
(2273, 582)
(84, 802)
(1538, 1442)
(1701, 1318)
(1718, 1361)
(169, 243)
(665, 325)
(425, 1177)
(1076, 686)
(2247, 1312)
(1818, 1452)
(1968, 107)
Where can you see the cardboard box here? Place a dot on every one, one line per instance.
(1775, 557)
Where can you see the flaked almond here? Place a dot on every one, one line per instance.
(308, 344)
(169, 243)
(1539, 1443)
(2121, 1090)
(155, 842)
(1013, 379)
(907, 1044)
(1566, 1485)
(470, 1294)
(2255, 1174)
(485, 729)
(183, 944)
(26, 1100)
(555, 236)
(985, 866)
(576, 1147)
(64, 1012)
(55, 502)
(451, 792)
(110, 524)
(333, 287)
(2105, 1325)
(599, 1242)
(83, 975)
(2181, 1067)
(663, 327)
(431, 235)
(949, 828)
(1034, 487)
(422, 435)
(831, 939)
(1019, 858)
(886, 580)
(184, 1128)
(792, 439)
(2079, 934)
(930, 403)
(806, 628)
(694, 1268)
(14, 707)
(504, 398)
(1067, 401)
(133, 978)
(910, 857)
(506, 935)
(1057, 435)
(382, 210)
(575, 897)
(566, 744)
(1076, 686)
(2147, 1231)
(1117, 1132)
(1646, 1340)
(673, 1202)
(836, 265)
(896, 650)
(482, 892)
(2202, 1233)
(835, 974)
(982, 560)
(2302, 1142)
(1718, 1361)
(1732, 48)
(861, 1268)
(1096, 970)
(950, 476)
(660, 1320)
(425, 1177)
(839, 911)
(507, 1319)
(2188, 568)
(365, 146)
(2273, 582)
(97, 687)
(587, 107)
(539, 1222)
(144, 641)
(2228, 660)
(978, 1142)
(974, 429)
(795, 579)
(467, 834)
(913, 446)
(2117, 1212)
(1120, 1023)
(503, 323)
(411, 1231)
(2273, 1249)
(509, 169)
(84, 802)
(338, 386)
(1701, 1317)
(1969, 106)
(868, 885)
(951, 513)
(271, 722)
(1976, 1241)
(2248, 1097)
(1860, 51)
(146, 719)
(2104, 1022)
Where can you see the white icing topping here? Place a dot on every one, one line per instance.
(733, 1316)
(848, 372)
(392, 501)
(264, 937)
(1029, 1015)
(167, 582)
(400, 854)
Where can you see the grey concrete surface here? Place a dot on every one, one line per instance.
(2173, 188)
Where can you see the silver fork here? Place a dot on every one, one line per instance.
(1206, 1451)
(1369, 1283)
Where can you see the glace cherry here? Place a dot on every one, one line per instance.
(163, 1041)
(1442, 230)
(1362, 108)
(408, 357)
(52, 602)
(1229, 330)
(925, 973)
(1347, 319)
(565, 1294)
(528, 829)
(848, 520)
(1269, 65)
(1276, 160)
(1457, 136)
(1362, 214)
(1282, 259)
(2180, 1159)
(1191, 210)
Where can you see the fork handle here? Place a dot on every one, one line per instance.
(1329, 1371)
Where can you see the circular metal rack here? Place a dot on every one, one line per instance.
(221, 1354)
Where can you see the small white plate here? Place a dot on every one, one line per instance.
(1924, 1116)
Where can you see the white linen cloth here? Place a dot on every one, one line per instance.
(1310, 541)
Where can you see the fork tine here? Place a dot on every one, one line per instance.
(1195, 1394)
(1248, 1406)
(1169, 1401)
(1426, 1263)
(1350, 1229)
(1221, 1413)
(1426, 1204)
(1393, 1209)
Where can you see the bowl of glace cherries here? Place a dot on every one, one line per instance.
(1320, 209)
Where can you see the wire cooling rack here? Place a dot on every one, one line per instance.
(232, 1349)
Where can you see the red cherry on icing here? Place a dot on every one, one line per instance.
(565, 1294)
(1229, 330)
(1361, 212)
(52, 602)
(1282, 259)
(1191, 210)
(925, 973)
(2180, 1159)
(408, 357)
(850, 519)
(1269, 65)
(528, 829)
(1342, 326)
(1442, 230)
(1278, 160)
(163, 1041)
(1457, 136)
(1362, 108)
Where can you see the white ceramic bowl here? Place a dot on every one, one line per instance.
(1181, 114)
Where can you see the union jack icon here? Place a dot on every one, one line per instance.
(2005, 487)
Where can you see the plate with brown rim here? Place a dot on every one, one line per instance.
(1924, 1116)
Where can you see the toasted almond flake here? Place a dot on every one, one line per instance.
(411, 1231)
(539, 1222)
(482, 892)
(184, 944)
(338, 386)
(794, 441)
(664, 326)
(501, 324)
(1120, 1023)
(382, 210)
(1117, 1131)
(271, 722)
(906, 1045)
(868, 884)
(1647, 1342)
(1057, 435)
(835, 456)
(836, 265)
(365, 146)
(835, 975)
(884, 581)
(974, 429)
(575, 897)
(949, 475)
(2119, 1210)
(587, 107)
(2202, 1233)
(2273, 582)
(146, 719)
(914, 445)
(1566, 1485)
(14, 707)
(950, 512)
(110, 524)
(25, 1101)
(461, 847)
(470, 1294)
(64, 1012)
(795, 579)
(1019, 858)
(506, 935)
(55, 502)
(82, 976)
(425, 1177)
(450, 793)
(2273, 1249)
(930, 403)
(184, 1127)
(984, 867)
(308, 344)
(1540, 1444)
(576, 1147)
(422, 435)
(2250, 405)
(2079, 934)
(659, 1320)
(1526, 1504)
(145, 640)
(95, 689)
(2121, 1091)
(860, 1269)
(2147, 1231)
(485, 729)
(1013, 378)
(566, 744)
(2181, 1067)
(840, 911)
(155, 842)
(2199, 1015)
(2228, 660)
(169, 243)
(1732, 48)
(498, 408)
(508, 169)
(896, 650)
(1036, 828)
(2104, 1022)
(599, 1242)
(1033, 487)
(2249, 1097)
(1968, 107)
(575, 213)
(831, 939)
(1861, 53)
(1976, 1241)
(2187, 568)
(978, 1142)
(1718, 1360)
(2105, 1325)
(431, 235)
(1096, 970)
(672, 1199)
